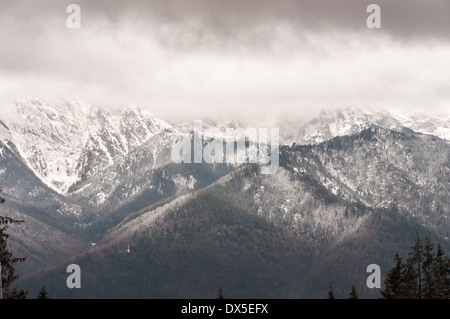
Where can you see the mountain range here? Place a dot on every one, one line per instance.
(98, 188)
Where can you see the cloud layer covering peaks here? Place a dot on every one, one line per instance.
(245, 59)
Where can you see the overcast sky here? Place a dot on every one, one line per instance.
(245, 59)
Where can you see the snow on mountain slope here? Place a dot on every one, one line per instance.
(99, 157)
(50, 139)
(101, 179)
(383, 169)
(437, 125)
(349, 121)
(66, 141)
(5, 134)
(293, 202)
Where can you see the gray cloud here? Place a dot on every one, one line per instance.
(227, 58)
(402, 18)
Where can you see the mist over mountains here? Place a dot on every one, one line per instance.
(353, 187)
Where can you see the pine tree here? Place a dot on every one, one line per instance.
(440, 272)
(220, 294)
(16, 294)
(7, 261)
(447, 274)
(394, 282)
(353, 294)
(331, 293)
(409, 282)
(403, 280)
(43, 294)
(417, 260)
(428, 276)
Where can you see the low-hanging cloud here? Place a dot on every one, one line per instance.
(214, 58)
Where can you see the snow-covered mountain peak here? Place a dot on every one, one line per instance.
(66, 142)
(34, 109)
(437, 125)
(61, 140)
(350, 120)
(332, 123)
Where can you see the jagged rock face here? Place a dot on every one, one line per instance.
(67, 142)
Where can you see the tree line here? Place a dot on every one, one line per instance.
(7, 262)
(424, 275)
